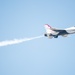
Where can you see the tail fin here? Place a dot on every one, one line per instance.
(48, 28)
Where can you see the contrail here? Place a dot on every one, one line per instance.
(17, 41)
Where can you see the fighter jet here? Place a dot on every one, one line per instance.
(54, 32)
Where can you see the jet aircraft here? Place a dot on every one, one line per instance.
(54, 32)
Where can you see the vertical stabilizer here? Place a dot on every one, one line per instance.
(48, 28)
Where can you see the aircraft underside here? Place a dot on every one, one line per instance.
(62, 33)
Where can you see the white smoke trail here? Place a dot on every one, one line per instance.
(17, 41)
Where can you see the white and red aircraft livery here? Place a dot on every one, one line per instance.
(54, 32)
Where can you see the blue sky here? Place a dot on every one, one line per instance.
(26, 18)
